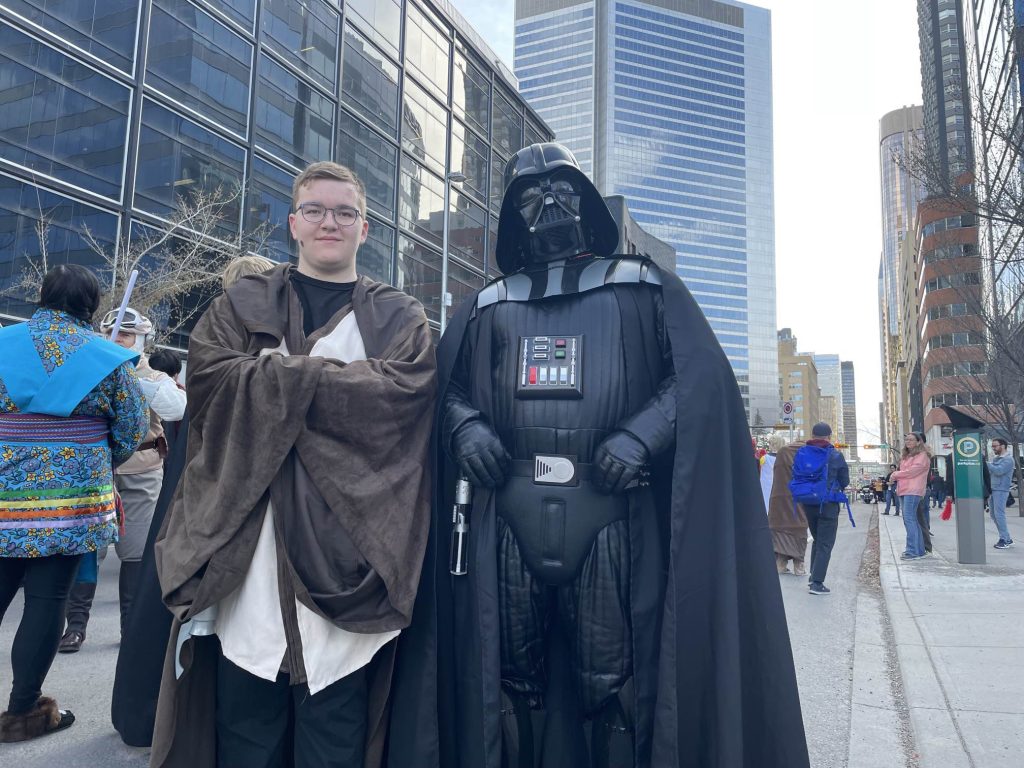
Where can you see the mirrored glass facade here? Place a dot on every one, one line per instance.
(669, 104)
(110, 111)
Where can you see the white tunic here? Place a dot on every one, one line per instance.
(249, 620)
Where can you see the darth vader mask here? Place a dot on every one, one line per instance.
(550, 209)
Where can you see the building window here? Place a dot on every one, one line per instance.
(293, 120)
(305, 34)
(373, 158)
(105, 29)
(497, 182)
(427, 51)
(199, 62)
(381, 20)
(242, 12)
(421, 202)
(963, 339)
(471, 96)
(424, 128)
(59, 117)
(469, 155)
(467, 230)
(947, 310)
(462, 284)
(23, 206)
(507, 128)
(269, 202)
(376, 255)
(419, 274)
(956, 280)
(178, 158)
(370, 83)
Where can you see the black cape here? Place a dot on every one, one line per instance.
(140, 659)
(716, 686)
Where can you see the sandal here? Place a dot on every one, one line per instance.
(44, 718)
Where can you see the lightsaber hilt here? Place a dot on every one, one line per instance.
(459, 564)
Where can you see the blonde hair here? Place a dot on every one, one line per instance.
(776, 443)
(325, 169)
(244, 265)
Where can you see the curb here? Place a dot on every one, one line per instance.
(880, 729)
(936, 733)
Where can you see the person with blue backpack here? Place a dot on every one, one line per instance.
(820, 474)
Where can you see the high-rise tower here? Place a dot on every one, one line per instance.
(668, 102)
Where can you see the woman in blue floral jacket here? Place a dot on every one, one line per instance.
(70, 408)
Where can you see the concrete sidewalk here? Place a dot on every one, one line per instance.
(959, 635)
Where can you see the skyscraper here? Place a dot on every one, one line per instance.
(900, 134)
(668, 102)
(950, 331)
(830, 382)
(994, 45)
(849, 407)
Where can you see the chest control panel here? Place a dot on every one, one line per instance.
(550, 366)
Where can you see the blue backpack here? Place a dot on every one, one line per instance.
(809, 485)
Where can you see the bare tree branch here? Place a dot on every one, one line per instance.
(179, 260)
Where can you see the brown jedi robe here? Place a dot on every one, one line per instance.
(789, 529)
(361, 432)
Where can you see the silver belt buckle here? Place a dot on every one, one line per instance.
(554, 470)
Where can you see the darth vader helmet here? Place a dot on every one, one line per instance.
(551, 210)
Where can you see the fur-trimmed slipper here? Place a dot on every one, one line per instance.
(42, 719)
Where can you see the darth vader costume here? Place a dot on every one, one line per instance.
(619, 606)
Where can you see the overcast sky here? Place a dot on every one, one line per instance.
(837, 68)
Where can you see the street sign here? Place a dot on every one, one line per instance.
(787, 412)
(869, 446)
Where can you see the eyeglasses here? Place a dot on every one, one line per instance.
(314, 213)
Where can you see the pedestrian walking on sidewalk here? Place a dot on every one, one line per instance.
(911, 483)
(1001, 471)
(891, 499)
(137, 480)
(71, 407)
(786, 519)
(823, 518)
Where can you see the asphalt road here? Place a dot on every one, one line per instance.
(821, 628)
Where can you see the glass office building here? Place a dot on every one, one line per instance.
(109, 111)
(669, 103)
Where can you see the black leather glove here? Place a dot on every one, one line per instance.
(480, 454)
(618, 461)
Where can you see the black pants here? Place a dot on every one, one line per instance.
(824, 524)
(263, 724)
(594, 608)
(47, 583)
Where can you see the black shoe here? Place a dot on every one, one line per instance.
(885, 513)
(71, 642)
(818, 589)
(1002, 544)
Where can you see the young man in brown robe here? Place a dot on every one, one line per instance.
(297, 533)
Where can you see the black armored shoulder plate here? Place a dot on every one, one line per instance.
(567, 278)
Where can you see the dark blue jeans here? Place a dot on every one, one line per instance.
(891, 499)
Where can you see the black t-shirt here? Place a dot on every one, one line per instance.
(321, 299)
